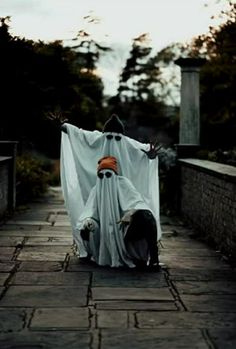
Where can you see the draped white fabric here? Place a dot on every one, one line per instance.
(109, 200)
(80, 152)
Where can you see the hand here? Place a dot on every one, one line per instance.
(90, 224)
(153, 151)
(57, 117)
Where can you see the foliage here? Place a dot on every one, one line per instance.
(31, 177)
(37, 78)
(139, 99)
(54, 177)
(89, 50)
(139, 73)
(227, 157)
(218, 82)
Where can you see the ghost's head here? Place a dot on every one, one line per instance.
(107, 166)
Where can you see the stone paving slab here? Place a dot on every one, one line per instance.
(143, 339)
(40, 215)
(7, 266)
(129, 279)
(182, 243)
(45, 296)
(52, 218)
(36, 233)
(33, 232)
(223, 339)
(1, 290)
(46, 241)
(125, 293)
(138, 305)
(182, 274)
(80, 266)
(188, 252)
(46, 340)
(210, 303)
(41, 256)
(177, 228)
(58, 229)
(173, 235)
(114, 319)
(47, 249)
(61, 218)
(20, 231)
(10, 241)
(3, 278)
(70, 318)
(6, 251)
(206, 287)
(16, 227)
(62, 224)
(49, 206)
(30, 223)
(41, 266)
(62, 210)
(68, 239)
(194, 262)
(185, 320)
(6, 257)
(13, 320)
(51, 278)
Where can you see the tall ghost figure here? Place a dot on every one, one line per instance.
(80, 152)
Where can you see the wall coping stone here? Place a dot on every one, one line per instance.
(5, 158)
(223, 171)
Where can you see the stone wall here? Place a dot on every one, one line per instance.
(9, 149)
(4, 184)
(208, 201)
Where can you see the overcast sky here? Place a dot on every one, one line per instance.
(167, 21)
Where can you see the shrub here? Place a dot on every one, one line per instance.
(227, 157)
(31, 177)
(54, 178)
(168, 180)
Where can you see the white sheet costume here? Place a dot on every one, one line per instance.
(109, 200)
(137, 186)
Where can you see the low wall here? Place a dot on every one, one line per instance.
(8, 151)
(208, 201)
(5, 164)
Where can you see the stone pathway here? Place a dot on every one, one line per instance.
(51, 300)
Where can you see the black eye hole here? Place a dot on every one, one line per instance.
(107, 174)
(117, 138)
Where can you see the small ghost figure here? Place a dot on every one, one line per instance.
(117, 226)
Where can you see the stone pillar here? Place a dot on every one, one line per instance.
(189, 131)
